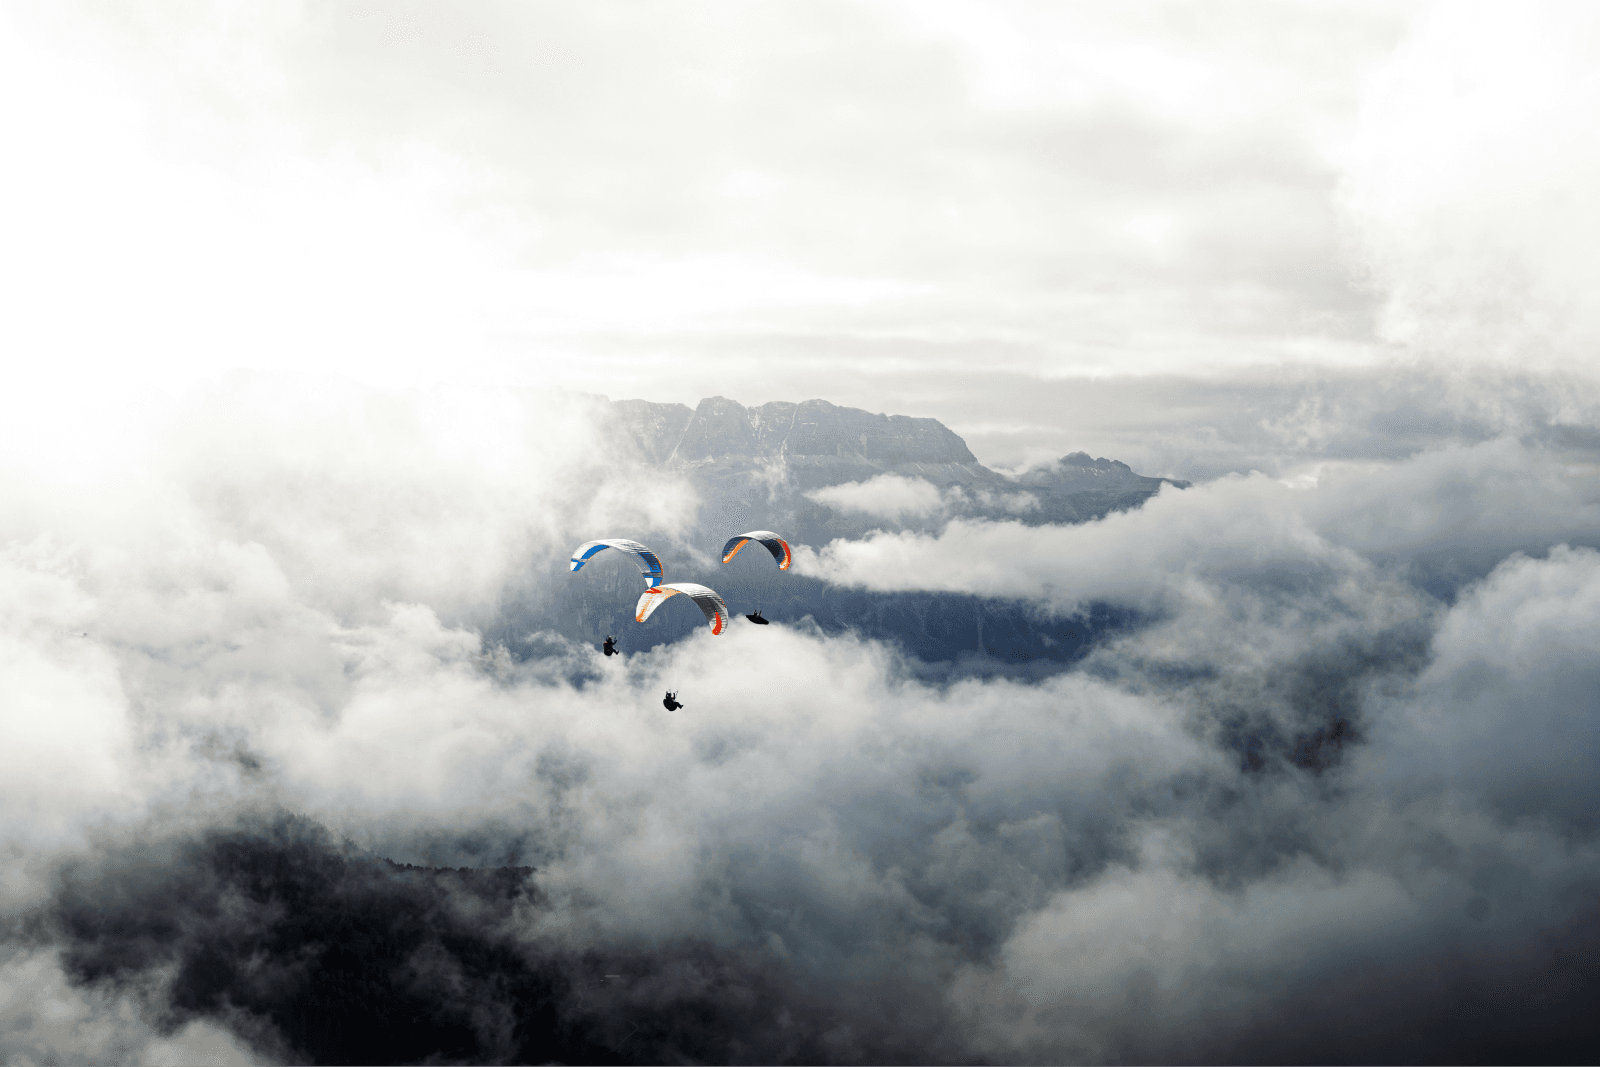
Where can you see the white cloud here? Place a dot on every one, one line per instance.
(916, 501)
(51, 1021)
(425, 195)
(1483, 501)
(1469, 186)
(68, 759)
(887, 495)
(1507, 709)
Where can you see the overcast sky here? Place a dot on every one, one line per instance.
(293, 302)
(969, 211)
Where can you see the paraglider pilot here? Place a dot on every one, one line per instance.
(757, 619)
(671, 703)
(610, 646)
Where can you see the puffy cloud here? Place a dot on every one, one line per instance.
(1466, 506)
(1142, 963)
(1222, 816)
(888, 495)
(66, 762)
(1506, 712)
(51, 1020)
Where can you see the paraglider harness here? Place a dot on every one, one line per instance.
(610, 646)
(757, 619)
(671, 703)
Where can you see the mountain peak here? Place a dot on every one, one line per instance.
(818, 443)
(823, 442)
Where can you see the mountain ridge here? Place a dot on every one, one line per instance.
(823, 444)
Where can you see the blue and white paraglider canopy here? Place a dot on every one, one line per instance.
(649, 562)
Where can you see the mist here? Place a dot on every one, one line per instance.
(310, 752)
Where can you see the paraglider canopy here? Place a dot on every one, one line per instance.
(774, 544)
(716, 611)
(649, 562)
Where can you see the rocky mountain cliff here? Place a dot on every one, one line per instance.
(816, 444)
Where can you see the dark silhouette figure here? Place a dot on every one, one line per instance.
(610, 647)
(757, 619)
(671, 703)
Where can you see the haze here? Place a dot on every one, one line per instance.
(312, 316)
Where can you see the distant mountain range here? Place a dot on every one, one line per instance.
(820, 443)
(815, 444)
(788, 467)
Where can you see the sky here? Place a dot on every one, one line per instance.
(1034, 222)
(1010, 217)
(304, 309)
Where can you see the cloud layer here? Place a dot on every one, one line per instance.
(1303, 775)
(1325, 791)
(850, 201)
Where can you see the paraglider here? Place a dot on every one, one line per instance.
(762, 586)
(710, 603)
(649, 562)
(774, 544)
(671, 703)
(610, 646)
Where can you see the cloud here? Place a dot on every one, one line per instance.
(1274, 419)
(1338, 765)
(1279, 781)
(59, 698)
(852, 201)
(1466, 186)
(1519, 640)
(1187, 959)
(1465, 506)
(50, 1020)
(888, 495)
(916, 503)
